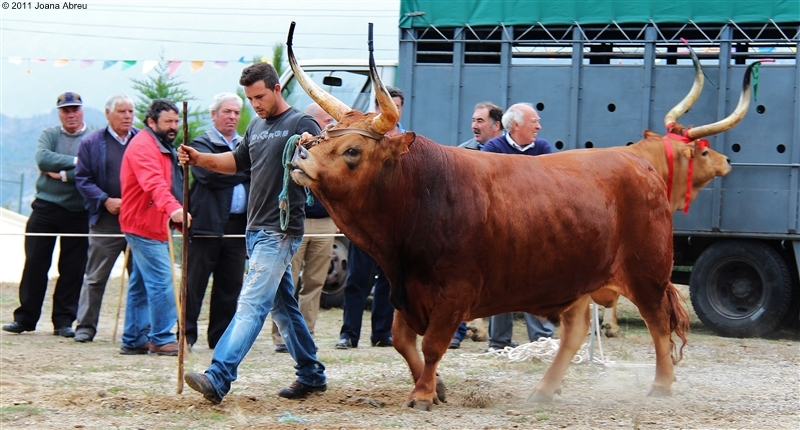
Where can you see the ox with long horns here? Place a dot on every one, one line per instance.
(592, 221)
(683, 159)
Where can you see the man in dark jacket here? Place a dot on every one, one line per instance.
(219, 203)
(97, 179)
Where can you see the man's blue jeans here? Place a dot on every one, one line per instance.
(151, 295)
(501, 327)
(267, 288)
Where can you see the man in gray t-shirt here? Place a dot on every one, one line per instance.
(268, 286)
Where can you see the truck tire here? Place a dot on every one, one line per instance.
(333, 292)
(740, 288)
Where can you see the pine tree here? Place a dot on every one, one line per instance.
(159, 85)
(247, 114)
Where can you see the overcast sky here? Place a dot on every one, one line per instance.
(32, 40)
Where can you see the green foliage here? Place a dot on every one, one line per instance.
(159, 85)
(247, 113)
(277, 58)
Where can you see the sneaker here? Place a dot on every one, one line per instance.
(383, 343)
(82, 337)
(299, 390)
(16, 327)
(65, 331)
(202, 385)
(170, 349)
(139, 350)
(281, 348)
(344, 343)
(454, 344)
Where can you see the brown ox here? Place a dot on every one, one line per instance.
(686, 147)
(566, 227)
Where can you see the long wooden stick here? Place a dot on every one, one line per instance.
(184, 256)
(121, 292)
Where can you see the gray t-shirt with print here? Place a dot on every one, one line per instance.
(261, 152)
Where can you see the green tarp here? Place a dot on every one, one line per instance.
(458, 13)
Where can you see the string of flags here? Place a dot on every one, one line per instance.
(147, 65)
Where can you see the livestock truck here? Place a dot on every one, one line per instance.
(602, 72)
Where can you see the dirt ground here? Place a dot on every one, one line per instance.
(48, 382)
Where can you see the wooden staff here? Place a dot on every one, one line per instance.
(184, 256)
(121, 292)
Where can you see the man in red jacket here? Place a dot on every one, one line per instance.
(152, 182)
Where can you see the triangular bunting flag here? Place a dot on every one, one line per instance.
(149, 65)
(127, 64)
(197, 65)
(265, 60)
(173, 67)
(86, 63)
(39, 60)
(241, 60)
(61, 62)
(15, 60)
(108, 63)
(220, 64)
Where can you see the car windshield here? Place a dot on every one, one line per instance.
(351, 87)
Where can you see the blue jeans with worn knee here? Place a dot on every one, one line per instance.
(151, 295)
(267, 288)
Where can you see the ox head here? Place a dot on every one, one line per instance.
(354, 149)
(687, 143)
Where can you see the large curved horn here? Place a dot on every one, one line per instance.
(387, 119)
(684, 105)
(327, 102)
(738, 113)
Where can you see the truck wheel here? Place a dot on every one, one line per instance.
(740, 288)
(333, 291)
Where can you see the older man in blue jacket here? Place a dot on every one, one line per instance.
(97, 178)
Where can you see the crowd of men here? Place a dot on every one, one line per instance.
(123, 187)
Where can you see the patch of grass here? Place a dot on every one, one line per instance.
(114, 390)
(115, 413)
(216, 416)
(542, 418)
(394, 425)
(342, 359)
(15, 412)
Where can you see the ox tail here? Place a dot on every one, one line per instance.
(678, 320)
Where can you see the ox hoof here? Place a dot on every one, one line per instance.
(441, 390)
(610, 332)
(539, 397)
(659, 391)
(420, 405)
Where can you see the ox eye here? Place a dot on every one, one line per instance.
(352, 152)
(704, 153)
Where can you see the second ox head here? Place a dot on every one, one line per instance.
(353, 150)
(687, 141)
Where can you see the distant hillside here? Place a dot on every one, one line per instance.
(17, 147)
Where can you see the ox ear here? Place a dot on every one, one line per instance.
(401, 142)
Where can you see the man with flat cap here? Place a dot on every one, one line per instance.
(57, 208)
